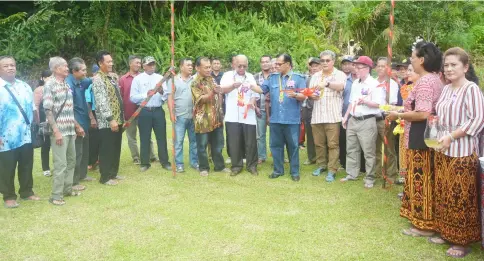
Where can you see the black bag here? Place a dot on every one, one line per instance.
(37, 142)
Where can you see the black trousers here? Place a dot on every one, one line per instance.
(243, 142)
(109, 153)
(94, 145)
(24, 158)
(342, 151)
(152, 119)
(45, 154)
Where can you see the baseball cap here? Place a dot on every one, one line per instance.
(347, 58)
(148, 60)
(364, 60)
(314, 60)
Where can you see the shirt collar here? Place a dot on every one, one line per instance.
(289, 74)
(71, 78)
(179, 76)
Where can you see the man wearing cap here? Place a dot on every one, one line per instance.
(314, 66)
(360, 122)
(152, 116)
(326, 116)
(347, 64)
(129, 108)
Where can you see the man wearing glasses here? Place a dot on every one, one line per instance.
(285, 114)
(360, 122)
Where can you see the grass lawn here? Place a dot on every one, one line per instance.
(153, 216)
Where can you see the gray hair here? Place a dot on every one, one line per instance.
(132, 57)
(241, 56)
(6, 57)
(55, 62)
(75, 64)
(382, 59)
(328, 53)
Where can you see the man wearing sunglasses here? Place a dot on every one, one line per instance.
(326, 115)
(285, 114)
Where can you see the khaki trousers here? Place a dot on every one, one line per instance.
(326, 142)
(64, 165)
(361, 133)
(391, 171)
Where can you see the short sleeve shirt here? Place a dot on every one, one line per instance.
(237, 100)
(284, 110)
(55, 93)
(183, 96)
(14, 130)
(327, 109)
(369, 90)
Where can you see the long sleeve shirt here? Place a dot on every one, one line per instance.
(143, 83)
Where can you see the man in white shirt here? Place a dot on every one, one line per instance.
(360, 122)
(152, 116)
(391, 171)
(326, 114)
(240, 118)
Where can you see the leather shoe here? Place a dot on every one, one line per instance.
(295, 178)
(167, 166)
(274, 176)
(144, 168)
(254, 172)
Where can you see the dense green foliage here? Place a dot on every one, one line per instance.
(32, 32)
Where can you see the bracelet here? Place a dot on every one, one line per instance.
(451, 137)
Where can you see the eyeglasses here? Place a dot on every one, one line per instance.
(279, 64)
(325, 60)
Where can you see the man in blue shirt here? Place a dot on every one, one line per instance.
(152, 116)
(285, 116)
(78, 83)
(15, 136)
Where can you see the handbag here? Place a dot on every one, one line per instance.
(44, 127)
(36, 141)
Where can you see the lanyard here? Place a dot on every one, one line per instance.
(281, 88)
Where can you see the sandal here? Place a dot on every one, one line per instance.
(57, 202)
(413, 232)
(73, 194)
(436, 240)
(459, 251)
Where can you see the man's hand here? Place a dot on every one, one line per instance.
(236, 85)
(344, 123)
(80, 131)
(361, 101)
(291, 94)
(93, 123)
(314, 97)
(114, 126)
(151, 93)
(160, 91)
(217, 89)
(172, 118)
(58, 138)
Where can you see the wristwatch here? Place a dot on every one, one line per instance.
(327, 85)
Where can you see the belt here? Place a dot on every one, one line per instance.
(379, 117)
(151, 108)
(364, 117)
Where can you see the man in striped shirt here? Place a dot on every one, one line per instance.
(326, 115)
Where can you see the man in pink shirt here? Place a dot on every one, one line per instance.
(129, 108)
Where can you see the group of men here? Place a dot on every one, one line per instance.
(341, 113)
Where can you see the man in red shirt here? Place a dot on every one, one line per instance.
(129, 108)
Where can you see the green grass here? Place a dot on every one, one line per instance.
(153, 216)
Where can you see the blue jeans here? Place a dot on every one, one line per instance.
(261, 136)
(216, 139)
(183, 125)
(285, 134)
